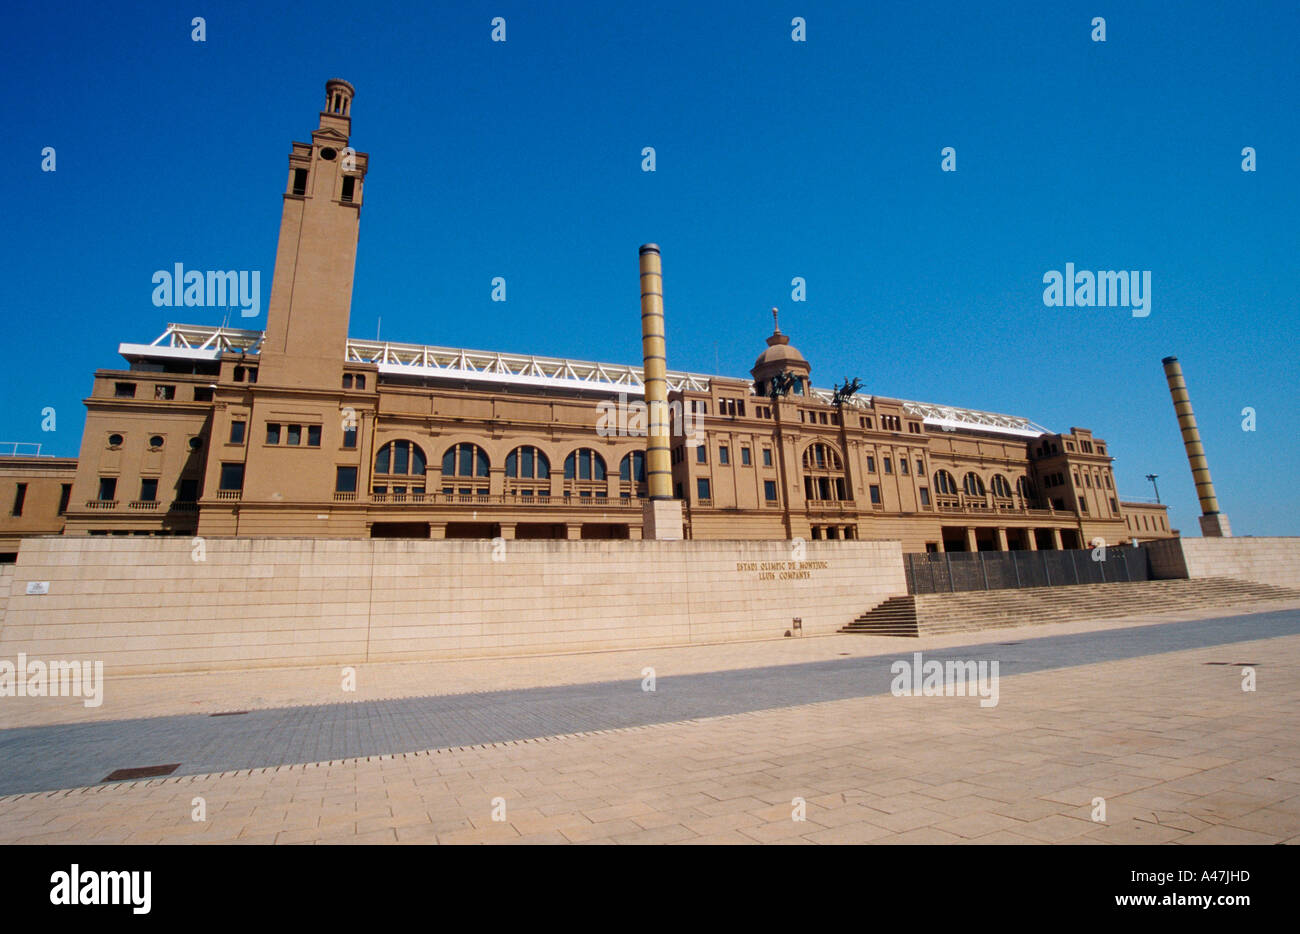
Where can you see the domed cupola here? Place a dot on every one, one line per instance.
(780, 357)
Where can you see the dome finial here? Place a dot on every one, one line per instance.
(776, 326)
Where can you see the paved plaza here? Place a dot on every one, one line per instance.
(1145, 713)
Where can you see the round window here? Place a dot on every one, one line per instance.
(196, 443)
(156, 441)
(328, 154)
(114, 441)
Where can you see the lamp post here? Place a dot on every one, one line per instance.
(1152, 478)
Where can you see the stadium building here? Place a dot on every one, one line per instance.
(302, 431)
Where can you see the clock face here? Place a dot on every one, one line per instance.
(328, 154)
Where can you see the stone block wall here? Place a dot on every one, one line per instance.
(158, 604)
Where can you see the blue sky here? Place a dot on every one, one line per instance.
(775, 159)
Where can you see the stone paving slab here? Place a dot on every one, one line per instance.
(135, 696)
(1016, 773)
(77, 754)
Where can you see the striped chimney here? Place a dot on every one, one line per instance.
(659, 472)
(1191, 437)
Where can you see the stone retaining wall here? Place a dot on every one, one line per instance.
(156, 604)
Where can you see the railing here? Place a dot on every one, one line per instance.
(345, 497)
(833, 505)
(101, 504)
(497, 499)
(229, 494)
(946, 572)
(183, 506)
(143, 504)
(970, 505)
(32, 449)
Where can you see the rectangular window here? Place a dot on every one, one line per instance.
(889, 465)
(299, 181)
(149, 490)
(294, 435)
(701, 455)
(202, 394)
(313, 436)
(769, 490)
(350, 437)
(744, 457)
(920, 467)
(925, 497)
(1114, 506)
(875, 495)
(107, 489)
(237, 432)
(124, 390)
(345, 480)
(272, 432)
(20, 497)
(189, 490)
(347, 380)
(724, 455)
(702, 488)
(65, 494)
(767, 457)
(902, 466)
(164, 392)
(871, 464)
(232, 476)
(349, 187)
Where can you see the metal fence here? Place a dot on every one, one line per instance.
(950, 571)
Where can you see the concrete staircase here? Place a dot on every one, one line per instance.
(971, 611)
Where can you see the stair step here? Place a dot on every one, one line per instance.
(969, 611)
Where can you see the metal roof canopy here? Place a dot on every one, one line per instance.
(200, 342)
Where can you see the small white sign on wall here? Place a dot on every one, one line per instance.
(38, 587)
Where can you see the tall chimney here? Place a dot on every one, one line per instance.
(663, 514)
(1214, 524)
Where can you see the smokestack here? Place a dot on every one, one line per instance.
(1214, 524)
(663, 514)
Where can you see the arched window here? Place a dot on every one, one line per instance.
(527, 472)
(462, 464)
(945, 484)
(823, 473)
(821, 457)
(973, 485)
(399, 470)
(1025, 489)
(584, 474)
(1001, 487)
(631, 475)
(465, 460)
